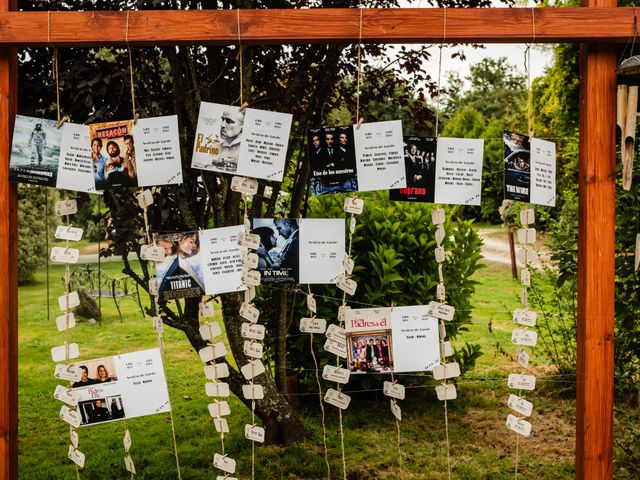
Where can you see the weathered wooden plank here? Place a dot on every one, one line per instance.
(296, 26)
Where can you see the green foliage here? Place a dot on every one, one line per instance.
(627, 442)
(32, 221)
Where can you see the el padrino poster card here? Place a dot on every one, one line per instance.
(35, 151)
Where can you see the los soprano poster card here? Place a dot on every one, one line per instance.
(35, 151)
(245, 142)
(356, 158)
(122, 386)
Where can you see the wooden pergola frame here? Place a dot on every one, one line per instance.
(598, 25)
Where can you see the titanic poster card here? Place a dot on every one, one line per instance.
(121, 386)
(420, 170)
(75, 170)
(459, 171)
(517, 166)
(113, 154)
(156, 152)
(35, 151)
(180, 274)
(221, 258)
(246, 142)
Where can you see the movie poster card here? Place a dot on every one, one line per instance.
(543, 172)
(180, 274)
(121, 386)
(113, 154)
(300, 251)
(420, 170)
(391, 340)
(247, 142)
(222, 260)
(356, 158)
(75, 169)
(35, 151)
(459, 171)
(156, 154)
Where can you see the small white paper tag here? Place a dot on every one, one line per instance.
(66, 395)
(440, 233)
(524, 298)
(336, 374)
(352, 225)
(445, 349)
(153, 286)
(210, 330)
(128, 464)
(447, 370)
(66, 207)
(342, 312)
(221, 425)
(157, 324)
(254, 433)
(637, 257)
(73, 301)
(247, 224)
(254, 332)
(523, 357)
(313, 325)
(437, 216)
(126, 441)
(248, 186)
(76, 456)
(337, 399)
(440, 292)
(219, 409)
(144, 198)
(521, 381)
(442, 330)
(337, 348)
(525, 277)
(67, 232)
(525, 255)
(346, 285)
(250, 261)
(252, 392)
(224, 463)
(217, 371)
(252, 369)
(211, 352)
(441, 310)
(527, 236)
(251, 278)
(206, 309)
(524, 337)
(252, 349)
(353, 205)
(348, 264)
(64, 322)
(440, 254)
(65, 255)
(72, 417)
(395, 410)
(216, 389)
(311, 303)
(73, 438)
(249, 294)
(522, 427)
(249, 312)
(152, 253)
(527, 217)
(520, 405)
(525, 317)
(70, 373)
(334, 332)
(446, 392)
(249, 240)
(59, 353)
(393, 390)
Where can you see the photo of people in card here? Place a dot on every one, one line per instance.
(113, 154)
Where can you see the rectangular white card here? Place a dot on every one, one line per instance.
(66, 395)
(337, 399)
(311, 303)
(520, 426)
(126, 441)
(72, 417)
(152, 253)
(527, 236)
(543, 172)
(252, 349)
(211, 352)
(251, 278)
(129, 465)
(441, 310)
(217, 371)
(59, 354)
(334, 332)
(70, 373)
(144, 198)
(527, 216)
(446, 392)
(224, 463)
(254, 433)
(313, 325)
(524, 317)
(249, 312)
(447, 370)
(221, 259)
(206, 309)
(347, 285)
(338, 348)
(524, 337)
(66, 207)
(252, 369)
(353, 205)
(322, 246)
(221, 425)
(521, 381)
(65, 255)
(219, 409)
(459, 171)
(395, 410)
(247, 186)
(67, 232)
(64, 322)
(210, 330)
(393, 390)
(254, 332)
(157, 151)
(75, 169)
(522, 357)
(68, 301)
(76, 456)
(252, 392)
(216, 389)
(336, 374)
(520, 405)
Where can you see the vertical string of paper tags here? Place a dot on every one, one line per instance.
(153, 253)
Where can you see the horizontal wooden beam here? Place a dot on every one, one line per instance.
(300, 26)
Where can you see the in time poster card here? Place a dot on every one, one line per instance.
(113, 154)
(222, 259)
(245, 142)
(420, 170)
(352, 158)
(279, 250)
(35, 151)
(180, 274)
(122, 386)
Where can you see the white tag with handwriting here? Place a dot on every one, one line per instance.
(525, 317)
(527, 236)
(524, 337)
(152, 253)
(437, 216)
(219, 389)
(342, 312)
(346, 285)
(219, 409)
(66, 395)
(441, 310)
(442, 330)
(447, 370)
(353, 205)
(72, 417)
(70, 373)
(252, 349)
(520, 405)
(334, 332)
(337, 348)
(250, 261)
(525, 255)
(66, 207)
(252, 392)
(59, 353)
(212, 352)
(393, 390)
(525, 277)
(217, 371)
(76, 456)
(67, 232)
(254, 332)
(527, 217)
(128, 464)
(518, 425)
(224, 463)
(210, 330)
(145, 198)
(352, 225)
(446, 349)
(73, 301)
(252, 369)
(65, 255)
(446, 392)
(524, 297)
(126, 441)
(157, 324)
(248, 186)
(521, 381)
(440, 233)
(336, 374)
(221, 425)
(440, 292)
(348, 264)
(395, 410)
(64, 322)
(313, 325)
(311, 303)
(206, 309)
(523, 357)
(337, 399)
(254, 433)
(73, 438)
(251, 278)
(249, 312)
(249, 294)
(440, 254)
(249, 240)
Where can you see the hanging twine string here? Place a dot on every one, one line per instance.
(444, 36)
(359, 81)
(240, 61)
(133, 93)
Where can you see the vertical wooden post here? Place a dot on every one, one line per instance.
(8, 268)
(596, 259)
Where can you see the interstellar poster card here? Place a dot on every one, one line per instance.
(459, 171)
(420, 170)
(309, 250)
(247, 142)
(122, 386)
(35, 151)
(180, 274)
(113, 154)
(157, 153)
(356, 159)
(222, 259)
(75, 170)
(387, 340)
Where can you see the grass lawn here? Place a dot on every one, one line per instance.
(481, 446)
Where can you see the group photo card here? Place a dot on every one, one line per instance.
(446, 170)
(529, 169)
(221, 258)
(392, 340)
(308, 250)
(246, 142)
(180, 274)
(35, 151)
(121, 386)
(356, 158)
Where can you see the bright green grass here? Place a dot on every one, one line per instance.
(481, 447)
